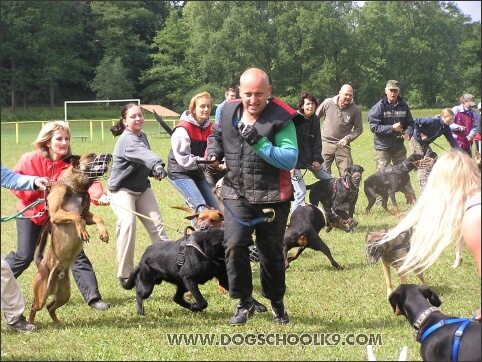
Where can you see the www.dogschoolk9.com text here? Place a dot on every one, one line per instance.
(274, 339)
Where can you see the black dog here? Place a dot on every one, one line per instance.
(410, 300)
(389, 180)
(305, 224)
(338, 192)
(192, 260)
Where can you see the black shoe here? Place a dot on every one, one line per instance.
(22, 325)
(244, 310)
(279, 313)
(99, 305)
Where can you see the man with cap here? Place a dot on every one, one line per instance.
(464, 127)
(391, 123)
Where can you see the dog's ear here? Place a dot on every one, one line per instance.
(430, 295)
(72, 159)
(221, 216)
(393, 298)
(190, 217)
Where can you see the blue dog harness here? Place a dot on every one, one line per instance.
(464, 322)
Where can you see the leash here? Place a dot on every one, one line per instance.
(17, 215)
(254, 221)
(145, 217)
(297, 178)
(439, 146)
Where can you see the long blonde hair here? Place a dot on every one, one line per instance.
(436, 218)
(46, 134)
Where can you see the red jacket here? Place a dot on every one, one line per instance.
(33, 163)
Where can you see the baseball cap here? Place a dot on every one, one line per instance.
(393, 84)
(469, 98)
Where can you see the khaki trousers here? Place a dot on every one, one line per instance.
(144, 203)
(13, 303)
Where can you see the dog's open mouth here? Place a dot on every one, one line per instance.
(100, 166)
(373, 253)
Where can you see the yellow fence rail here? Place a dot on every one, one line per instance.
(86, 130)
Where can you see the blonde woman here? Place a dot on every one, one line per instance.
(452, 199)
(48, 160)
(188, 145)
(427, 130)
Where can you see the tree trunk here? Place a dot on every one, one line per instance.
(52, 95)
(14, 98)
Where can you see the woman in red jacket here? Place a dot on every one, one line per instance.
(52, 146)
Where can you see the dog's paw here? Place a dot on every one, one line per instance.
(84, 235)
(194, 307)
(457, 263)
(104, 236)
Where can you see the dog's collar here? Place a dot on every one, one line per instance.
(421, 320)
(323, 212)
(69, 185)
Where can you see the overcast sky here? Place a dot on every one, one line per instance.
(471, 8)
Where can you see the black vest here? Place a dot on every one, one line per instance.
(248, 174)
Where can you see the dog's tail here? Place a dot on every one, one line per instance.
(42, 242)
(130, 282)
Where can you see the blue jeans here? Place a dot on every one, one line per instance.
(299, 186)
(196, 193)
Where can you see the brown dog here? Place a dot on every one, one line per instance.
(205, 219)
(68, 205)
(391, 253)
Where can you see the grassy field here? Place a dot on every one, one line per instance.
(324, 304)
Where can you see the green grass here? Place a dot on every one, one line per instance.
(319, 298)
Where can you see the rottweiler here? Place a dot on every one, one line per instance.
(305, 224)
(69, 211)
(389, 180)
(457, 340)
(339, 192)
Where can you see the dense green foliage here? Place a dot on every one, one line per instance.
(319, 298)
(160, 51)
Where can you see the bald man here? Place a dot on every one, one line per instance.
(342, 124)
(257, 138)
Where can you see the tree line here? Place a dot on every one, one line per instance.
(164, 52)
